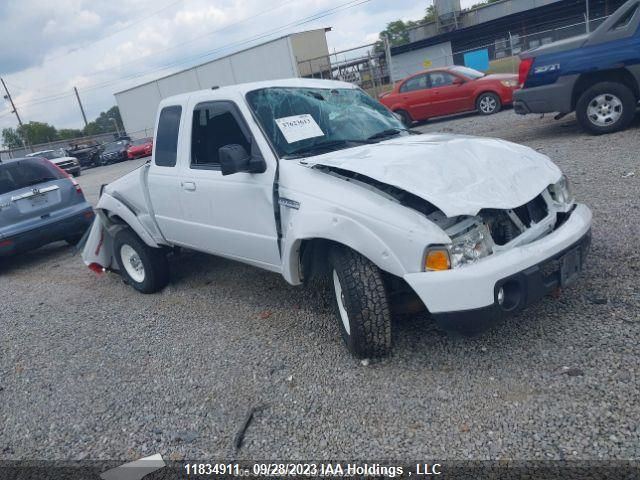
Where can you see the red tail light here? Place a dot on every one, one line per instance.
(523, 70)
(75, 184)
(95, 267)
(6, 243)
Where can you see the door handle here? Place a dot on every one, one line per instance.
(189, 186)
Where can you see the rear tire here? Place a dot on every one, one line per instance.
(488, 103)
(77, 174)
(361, 303)
(406, 119)
(144, 268)
(606, 107)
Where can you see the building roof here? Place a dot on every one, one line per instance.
(326, 29)
(530, 21)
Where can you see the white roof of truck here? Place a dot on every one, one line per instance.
(244, 88)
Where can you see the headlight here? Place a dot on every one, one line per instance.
(509, 83)
(561, 191)
(466, 248)
(471, 246)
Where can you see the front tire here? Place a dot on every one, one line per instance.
(488, 103)
(144, 268)
(405, 118)
(606, 107)
(361, 303)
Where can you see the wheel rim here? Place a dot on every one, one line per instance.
(488, 104)
(604, 110)
(132, 263)
(344, 316)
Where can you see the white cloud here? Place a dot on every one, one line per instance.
(90, 43)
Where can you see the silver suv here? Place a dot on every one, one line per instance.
(39, 204)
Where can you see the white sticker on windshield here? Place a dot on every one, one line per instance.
(299, 127)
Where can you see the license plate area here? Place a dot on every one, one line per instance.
(570, 267)
(39, 200)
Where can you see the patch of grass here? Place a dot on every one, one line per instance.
(504, 65)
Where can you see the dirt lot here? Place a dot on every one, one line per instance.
(91, 369)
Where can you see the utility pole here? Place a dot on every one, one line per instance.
(587, 15)
(387, 53)
(15, 110)
(81, 108)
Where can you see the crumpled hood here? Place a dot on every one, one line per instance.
(459, 174)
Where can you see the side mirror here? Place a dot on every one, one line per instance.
(235, 158)
(458, 81)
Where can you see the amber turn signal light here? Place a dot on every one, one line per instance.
(437, 259)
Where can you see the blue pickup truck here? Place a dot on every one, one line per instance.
(597, 74)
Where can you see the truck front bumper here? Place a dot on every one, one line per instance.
(471, 297)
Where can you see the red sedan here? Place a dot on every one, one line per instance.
(448, 90)
(140, 148)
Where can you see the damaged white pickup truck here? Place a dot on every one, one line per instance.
(313, 178)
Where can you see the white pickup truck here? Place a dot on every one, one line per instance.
(315, 179)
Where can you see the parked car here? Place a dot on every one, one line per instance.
(597, 75)
(87, 153)
(445, 91)
(70, 165)
(115, 152)
(140, 148)
(39, 204)
(315, 179)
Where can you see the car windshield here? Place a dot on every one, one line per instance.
(25, 173)
(468, 72)
(48, 154)
(142, 141)
(115, 146)
(309, 121)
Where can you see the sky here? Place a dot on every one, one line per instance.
(105, 46)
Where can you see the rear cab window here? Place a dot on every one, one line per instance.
(167, 136)
(26, 173)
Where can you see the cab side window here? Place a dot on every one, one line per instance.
(416, 83)
(167, 136)
(214, 125)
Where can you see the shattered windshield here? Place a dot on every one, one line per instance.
(310, 121)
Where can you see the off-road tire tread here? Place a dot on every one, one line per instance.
(366, 302)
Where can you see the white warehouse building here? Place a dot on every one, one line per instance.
(284, 57)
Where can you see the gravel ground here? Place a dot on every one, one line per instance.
(91, 369)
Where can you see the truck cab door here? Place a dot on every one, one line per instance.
(163, 180)
(231, 215)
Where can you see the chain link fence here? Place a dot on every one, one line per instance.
(67, 144)
(368, 66)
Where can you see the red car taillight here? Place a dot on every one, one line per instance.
(75, 184)
(523, 70)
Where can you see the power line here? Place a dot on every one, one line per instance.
(130, 24)
(181, 44)
(302, 21)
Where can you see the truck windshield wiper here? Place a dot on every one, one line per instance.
(325, 146)
(390, 132)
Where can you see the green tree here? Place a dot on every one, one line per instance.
(103, 124)
(69, 133)
(37, 132)
(11, 138)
